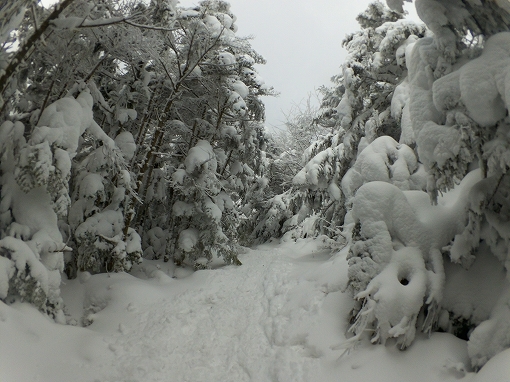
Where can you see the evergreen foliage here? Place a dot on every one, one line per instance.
(131, 130)
(357, 110)
(128, 130)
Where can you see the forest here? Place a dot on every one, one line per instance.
(134, 153)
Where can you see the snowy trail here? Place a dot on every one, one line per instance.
(277, 318)
(242, 324)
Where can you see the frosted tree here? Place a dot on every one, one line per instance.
(358, 109)
(65, 182)
(453, 107)
(31, 246)
(300, 130)
(35, 177)
(204, 98)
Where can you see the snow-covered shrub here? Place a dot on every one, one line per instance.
(202, 211)
(97, 214)
(395, 265)
(453, 107)
(31, 246)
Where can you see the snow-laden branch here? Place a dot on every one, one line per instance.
(75, 22)
(20, 55)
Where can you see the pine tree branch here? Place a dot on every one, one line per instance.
(21, 54)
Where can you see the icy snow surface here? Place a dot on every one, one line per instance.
(278, 317)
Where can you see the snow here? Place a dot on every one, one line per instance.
(239, 87)
(395, 296)
(181, 208)
(384, 160)
(188, 13)
(155, 243)
(225, 20)
(278, 317)
(236, 168)
(65, 120)
(107, 223)
(62, 162)
(252, 75)
(493, 335)
(344, 110)
(188, 238)
(7, 270)
(126, 143)
(482, 84)
(91, 186)
(213, 25)
(496, 370)
(226, 58)
(199, 156)
(33, 209)
(212, 210)
(473, 293)
(178, 176)
(124, 115)
(23, 258)
(237, 103)
(312, 173)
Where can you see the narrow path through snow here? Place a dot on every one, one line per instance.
(247, 323)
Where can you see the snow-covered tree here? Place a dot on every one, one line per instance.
(287, 145)
(112, 102)
(358, 109)
(453, 107)
(206, 102)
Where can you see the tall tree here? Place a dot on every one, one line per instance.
(103, 111)
(358, 109)
(454, 108)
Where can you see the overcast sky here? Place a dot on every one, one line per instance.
(301, 41)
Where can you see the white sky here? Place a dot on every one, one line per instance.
(301, 41)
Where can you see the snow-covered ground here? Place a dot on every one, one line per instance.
(281, 316)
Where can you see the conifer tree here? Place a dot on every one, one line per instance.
(100, 119)
(358, 108)
(452, 106)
